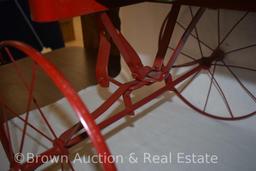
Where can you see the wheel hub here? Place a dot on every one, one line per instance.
(217, 55)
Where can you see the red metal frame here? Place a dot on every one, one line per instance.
(48, 10)
(52, 10)
(76, 103)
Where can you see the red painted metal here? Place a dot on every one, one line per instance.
(5, 140)
(210, 63)
(210, 115)
(52, 10)
(102, 61)
(184, 39)
(75, 102)
(165, 35)
(130, 56)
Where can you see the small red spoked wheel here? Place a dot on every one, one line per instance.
(223, 42)
(24, 75)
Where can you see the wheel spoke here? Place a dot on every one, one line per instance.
(232, 29)
(70, 165)
(8, 133)
(214, 87)
(29, 124)
(27, 87)
(186, 64)
(44, 118)
(189, 82)
(217, 86)
(30, 97)
(184, 54)
(61, 166)
(30, 89)
(184, 38)
(210, 88)
(242, 48)
(26, 134)
(203, 43)
(197, 35)
(19, 72)
(218, 18)
(32, 84)
(240, 82)
(236, 66)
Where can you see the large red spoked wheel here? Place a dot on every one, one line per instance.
(223, 42)
(13, 143)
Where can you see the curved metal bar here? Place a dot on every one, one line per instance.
(184, 39)
(75, 102)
